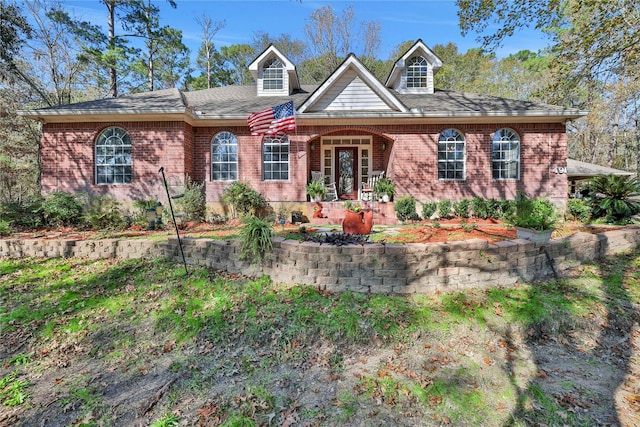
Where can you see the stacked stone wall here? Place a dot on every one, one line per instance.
(370, 268)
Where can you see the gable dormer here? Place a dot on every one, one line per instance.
(414, 71)
(274, 74)
(351, 88)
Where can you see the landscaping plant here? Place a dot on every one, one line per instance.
(428, 209)
(243, 198)
(256, 238)
(62, 209)
(613, 197)
(194, 203)
(405, 208)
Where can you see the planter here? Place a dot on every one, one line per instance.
(536, 236)
(386, 198)
(357, 222)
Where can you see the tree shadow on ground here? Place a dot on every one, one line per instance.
(583, 361)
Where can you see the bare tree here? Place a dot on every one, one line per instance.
(207, 55)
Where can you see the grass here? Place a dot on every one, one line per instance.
(244, 351)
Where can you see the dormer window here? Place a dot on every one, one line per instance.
(417, 69)
(273, 75)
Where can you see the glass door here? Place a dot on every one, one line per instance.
(346, 171)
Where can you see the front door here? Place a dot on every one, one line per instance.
(347, 172)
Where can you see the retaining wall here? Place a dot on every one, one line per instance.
(376, 268)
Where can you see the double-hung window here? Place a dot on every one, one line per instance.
(224, 157)
(273, 75)
(113, 157)
(417, 69)
(275, 158)
(451, 155)
(505, 154)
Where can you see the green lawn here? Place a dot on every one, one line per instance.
(98, 343)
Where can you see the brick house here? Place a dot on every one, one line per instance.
(433, 144)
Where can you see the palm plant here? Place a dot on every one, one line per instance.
(613, 196)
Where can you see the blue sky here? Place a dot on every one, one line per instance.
(433, 21)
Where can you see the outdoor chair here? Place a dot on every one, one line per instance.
(332, 191)
(366, 192)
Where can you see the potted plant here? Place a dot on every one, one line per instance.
(384, 188)
(534, 219)
(316, 190)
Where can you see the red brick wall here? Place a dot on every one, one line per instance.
(68, 158)
(410, 159)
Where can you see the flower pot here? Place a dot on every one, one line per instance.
(385, 198)
(317, 198)
(536, 236)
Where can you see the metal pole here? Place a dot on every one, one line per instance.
(164, 180)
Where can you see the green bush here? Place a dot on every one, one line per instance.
(507, 209)
(537, 214)
(5, 228)
(23, 214)
(579, 210)
(62, 209)
(479, 208)
(103, 213)
(405, 208)
(461, 208)
(428, 209)
(444, 208)
(255, 238)
(493, 208)
(243, 198)
(194, 201)
(613, 198)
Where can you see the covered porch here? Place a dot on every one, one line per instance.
(348, 162)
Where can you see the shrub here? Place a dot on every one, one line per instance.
(461, 208)
(507, 209)
(405, 208)
(62, 209)
(23, 214)
(194, 201)
(428, 209)
(613, 197)
(244, 199)
(103, 213)
(5, 228)
(579, 210)
(537, 214)
(444, 208)
(493, 208)
(255, 239)
(479, 208)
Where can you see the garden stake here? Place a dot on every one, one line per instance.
(175, 224)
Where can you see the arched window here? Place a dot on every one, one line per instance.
(417, 72)
(273, 75)
(224, 157)
(275, 158)
(451, 155)
(113, 157)
(505, 154)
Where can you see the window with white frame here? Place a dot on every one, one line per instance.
(505, 154)
(417, 69)
(273, 75)
(224, 157)
(113, 157)
(275, 158)
(451, 155)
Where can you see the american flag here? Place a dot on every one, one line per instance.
(274, 120)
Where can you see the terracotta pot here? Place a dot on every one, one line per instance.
(358, 222)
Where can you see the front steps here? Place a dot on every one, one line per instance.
(334, 212)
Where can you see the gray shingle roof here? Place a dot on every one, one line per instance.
(237, 102)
